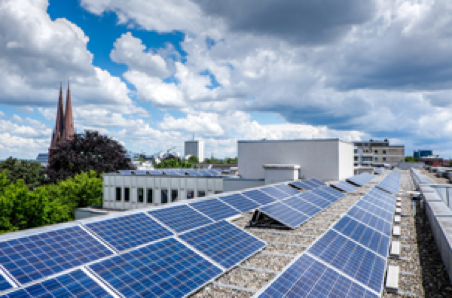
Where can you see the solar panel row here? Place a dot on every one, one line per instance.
(361, 179)
(308, 184)
(344, 186)
(390, 183)
(173, 172)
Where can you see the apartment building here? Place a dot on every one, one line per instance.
(377, 152)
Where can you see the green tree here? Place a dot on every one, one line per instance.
(141, 159)
(411, 159)
(29, 171)
(174, 163)
(193, 159)
(87, 151)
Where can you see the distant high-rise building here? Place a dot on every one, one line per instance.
(422, 153)
(196, 148)
(64, 125)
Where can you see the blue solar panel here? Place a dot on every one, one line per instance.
(325, 195)
(390, 183)
(240, 202)
(4, 284)
(342, 185)
(155, 172)
(302, 185)
(317, 182)
(375, 210)
(125, 172)
(380, 202)
(364, 235)
(204, 173)
(287, 189)
(302, 206)
(371, 220)
(192, 173)
(164, 269)
(315, 199)
(361, 179)
(284, 214)
(332, 191)
(351, 258)
(307, 277)
(279, 194)
(129, 231)
(180, 218)
(224, 243)
(215, 209)
(261, 197)
(33, 257)
(73, 284)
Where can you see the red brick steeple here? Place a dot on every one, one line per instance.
(68, 132)
(59, 124)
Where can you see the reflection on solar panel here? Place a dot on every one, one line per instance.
(342, 185)
(180, 218)
(4, 284)
(363, 235)
(302, 185)
(315, 199)
(351, 258)
(164, 269)
(224, 243)
(240, 202)
(33, 257)
(317, 182)
(325, 195)
(215, 209)
(259, 196)
(302, 206)
(287, 189)
(284, 214)
(371, 220)
(361, 179)
(73, 284)
(279, 194)
(375, 210)
(129, 231)
(391, 183)
(307, 277)
(333, 191)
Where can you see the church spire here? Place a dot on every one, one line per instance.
(59, 124)
(68, 132)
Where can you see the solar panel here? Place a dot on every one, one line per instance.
(307, 277)
(4, 284)
(375, 210)
(325, 195)
(370, 220)
(163, 269)
(279, 194)
(284, 214)
(192, 172)
(129, 231)
(317, 182)
(351, 258)
(380, 202)
(390, 183)
(33, 257)
(140, 172)
(342, 185)
(73, 284)
(364, 235)
(259, 196)
(240, 202)
(332, 191)
(213, 172)
(302, 206)
(155, 172)
(315, 199)
(125, 172)
(215, 209)
(224, 243)
(180, 218)
(361, 179)
(302, 185)
(287, 189)
(204, 173)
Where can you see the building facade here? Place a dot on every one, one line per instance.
(422, 153)
(377, 153)
(196, 148)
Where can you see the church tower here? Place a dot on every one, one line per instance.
(68, 132)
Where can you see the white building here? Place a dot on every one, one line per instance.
(196, 148)
(327, 159)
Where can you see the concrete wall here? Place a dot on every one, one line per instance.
(407, 165)
(317, 158)
(235, 184)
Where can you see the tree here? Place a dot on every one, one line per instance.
(193, 159)
(29, 171)
(174, 163)
(87, 151)
(411, 159)
(141, 159)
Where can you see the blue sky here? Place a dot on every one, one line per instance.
(152, 73)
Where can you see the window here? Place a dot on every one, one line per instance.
(140, 195)
(384, 158)
(356, 158)
(376, 158)
(384, 151)
(218, 192)
(126, 194)
(118, 194)
(376, 151)
(201, 193)
(190, 194)
(149, 196)
(164, 196)
(174, 195)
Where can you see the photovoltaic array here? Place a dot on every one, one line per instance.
(259, 196)
(308, 184)
(34, 257)
(73, 284)
(287, 189)
(284, 214)
(224, 243)
(361, 179)
(173, 172)
(275, 192)
(240, 202)
(344, 186)
(215, 209)
(390, 183)
(129, 231)
(349, 260)
(4, 284)
(180, 218)
(163, 269)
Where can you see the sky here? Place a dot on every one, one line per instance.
(151, 73)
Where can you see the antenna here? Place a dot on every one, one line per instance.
(193, 136)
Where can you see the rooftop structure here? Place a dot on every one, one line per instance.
(377, 153)
(195, 148)
(421, 153)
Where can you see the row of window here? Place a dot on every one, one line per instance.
(164, 196)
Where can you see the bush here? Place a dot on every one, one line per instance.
(29, 171)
